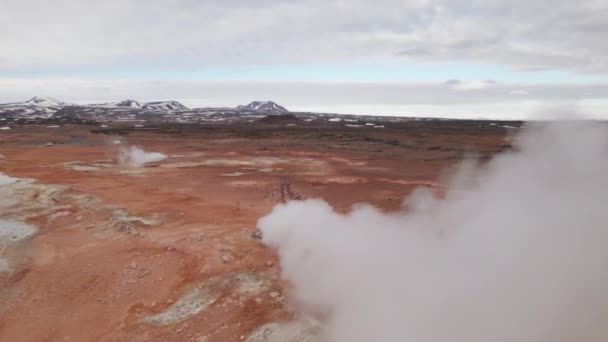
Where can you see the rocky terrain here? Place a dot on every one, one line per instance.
(96, 250)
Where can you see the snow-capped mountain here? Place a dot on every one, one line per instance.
(152, 106)
(128, 103)
(34, 108)
(39, 108)
(43, 102)
(262, 107)
(124, 104)
(164, 105)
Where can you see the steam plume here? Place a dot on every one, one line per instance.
(135, 156)
(519, 253)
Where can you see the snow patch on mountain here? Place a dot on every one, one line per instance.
(128, 103)
(43, 102)
(36, 101)
(133, 104)
(262, 107)
(165, 105)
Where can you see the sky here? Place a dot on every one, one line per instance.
(459, 58)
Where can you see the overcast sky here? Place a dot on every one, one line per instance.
(491, 58)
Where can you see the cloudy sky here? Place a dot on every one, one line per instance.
(467, 58)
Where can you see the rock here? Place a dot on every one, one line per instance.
(257, 235)
(226, 258)
(269, 263)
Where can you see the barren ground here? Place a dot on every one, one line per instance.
(167, 252)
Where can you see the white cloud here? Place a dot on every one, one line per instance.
(519, 92)
(470, 85)
(535, 34)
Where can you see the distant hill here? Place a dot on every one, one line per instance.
(155, 105)
(164, 105)
(34, 108)
(262, 107)
(128, 103)
(37, 108)
(43, 102)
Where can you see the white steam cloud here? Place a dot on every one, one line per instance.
(134, 156)
(517, 251)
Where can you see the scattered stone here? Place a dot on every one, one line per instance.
(257, 235)
(200, 237)
(251, 284)
(226, 258)
(126, 227)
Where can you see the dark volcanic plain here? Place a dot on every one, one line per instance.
(168, 251)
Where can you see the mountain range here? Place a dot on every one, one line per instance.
(156, 105)
(262, 106)
(38, 108)
(46, 109)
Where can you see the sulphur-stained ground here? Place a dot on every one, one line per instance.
(93, 250)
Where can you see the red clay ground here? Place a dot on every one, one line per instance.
(165, 252)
